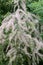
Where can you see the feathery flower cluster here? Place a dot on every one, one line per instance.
(19, 28)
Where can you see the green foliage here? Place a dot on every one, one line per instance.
(5, 7)
(36, 8)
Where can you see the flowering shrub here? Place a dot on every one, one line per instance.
(20, 38)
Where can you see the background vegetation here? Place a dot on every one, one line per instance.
(6, 7)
